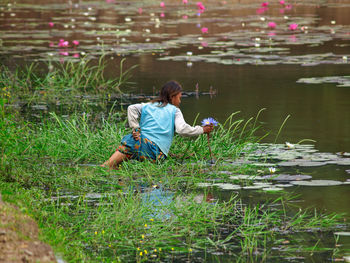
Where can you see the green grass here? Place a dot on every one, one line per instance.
(70, 83)
(42, 171)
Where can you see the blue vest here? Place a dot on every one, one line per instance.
(158, 123)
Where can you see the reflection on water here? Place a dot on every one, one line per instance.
(158, 199)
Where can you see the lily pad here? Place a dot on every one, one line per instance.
(245, 177)
(263, 184)
(343, 154)
(228, 186)
(204, 184)
(317, 183)
(253, 187)
(343, 162)
(342, 234)
(287, 177)
(288, 164)
(272, 189)
(311, 164)
(264, 164)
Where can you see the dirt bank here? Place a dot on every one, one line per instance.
(19, 238)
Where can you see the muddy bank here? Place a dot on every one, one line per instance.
(19, 237)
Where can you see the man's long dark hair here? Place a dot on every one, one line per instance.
(170, 89)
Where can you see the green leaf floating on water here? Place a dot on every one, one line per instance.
(317, 183)
(228, 186)
(272, 189)
(342, 234)
(342, 81)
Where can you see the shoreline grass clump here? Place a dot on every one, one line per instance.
(63, 83)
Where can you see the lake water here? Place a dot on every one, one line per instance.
(230, 46)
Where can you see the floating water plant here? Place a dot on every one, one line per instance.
(317, 183)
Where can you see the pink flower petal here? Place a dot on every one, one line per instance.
(282, 2)
(162, 15)
(76, 42)
(264, 4)
(140, 10)
(200, 6)
(293, 26)
(204, 30)
(185, 1)
(271, 25)
(51, 24)
(162, 4)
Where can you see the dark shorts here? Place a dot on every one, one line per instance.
(146, 150)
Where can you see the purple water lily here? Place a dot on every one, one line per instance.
(205, 122)
(209, 121)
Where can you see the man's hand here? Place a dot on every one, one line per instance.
(208, 128)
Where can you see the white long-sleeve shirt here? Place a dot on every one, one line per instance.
(181, 127)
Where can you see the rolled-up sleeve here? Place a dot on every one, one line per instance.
(184, 129)
(134, 113)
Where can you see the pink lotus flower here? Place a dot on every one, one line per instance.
(76, 42)
(76, 55)
(282, 2)
(282, 10)
(289, 7)
(184, 16)
(185, 1)
(64, 53)
(204, 30)
(63, 43)
(200, 6)
(140, 10)
(271, 34)
(293, 26)
(162, 4)
(271, 25)
(265, 4)
(204, 44)
(51, 24)
(162, 15)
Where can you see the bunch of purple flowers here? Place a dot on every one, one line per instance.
(209, 121)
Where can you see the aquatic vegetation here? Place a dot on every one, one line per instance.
(143, 211)
(341, 81)
(127, 37)
(63, 83)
